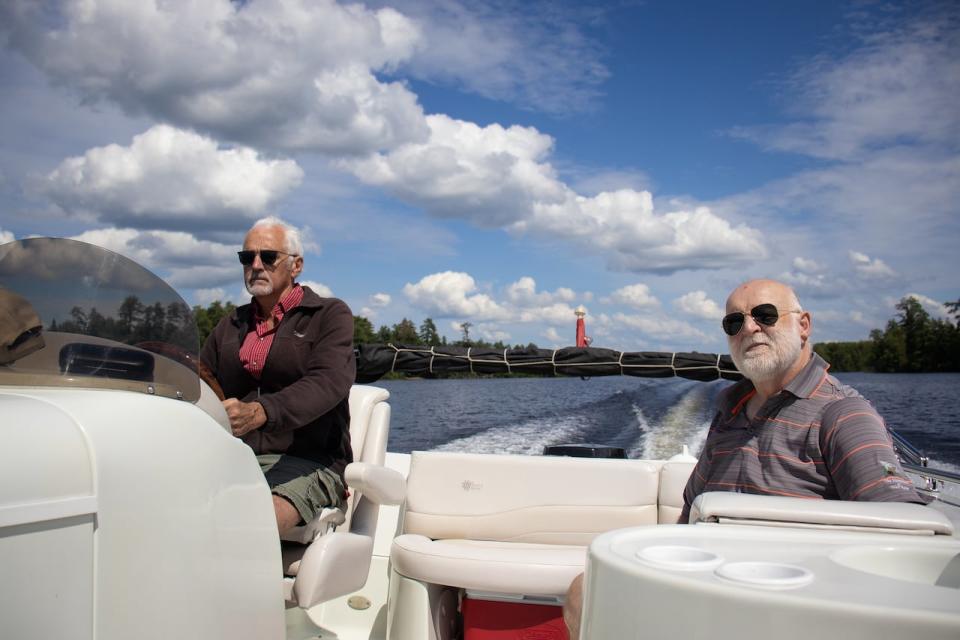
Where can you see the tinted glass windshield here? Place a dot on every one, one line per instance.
(74, 314)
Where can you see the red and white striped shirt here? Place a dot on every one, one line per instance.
(256, 346)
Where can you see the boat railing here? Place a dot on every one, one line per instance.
(907, 452)
(939, 484)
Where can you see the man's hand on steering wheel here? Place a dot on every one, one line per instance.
(244, 416)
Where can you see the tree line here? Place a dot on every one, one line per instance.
(134, 322)
(403, 332)
(912, 342)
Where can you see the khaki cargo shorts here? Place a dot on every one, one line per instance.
(307, 484)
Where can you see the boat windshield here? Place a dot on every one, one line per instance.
(76, 315)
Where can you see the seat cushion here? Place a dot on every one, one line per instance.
(531, 499)
(889, 517)
(500, 567)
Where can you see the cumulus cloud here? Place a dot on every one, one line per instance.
(170, 178)
(867, 269)
(637, 296)
(380, 300)
(491, 333)
(803, 265)
(205, 297)
(298, 75)
(6, 236)
(935, 308)
(452, 294)
(696, 303)
(661, 328)
(276, 73)
(489, 175)
(319, 288)
(624, 226)
(814, 286)
(499, 177)
(186, 260)
(556, 313)
(553, 336)
(523, 293)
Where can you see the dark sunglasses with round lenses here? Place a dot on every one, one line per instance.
(267, 256)
(765, 314)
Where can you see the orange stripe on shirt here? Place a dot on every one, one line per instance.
(826, 436)
(868, 445)
(801, 425)
(822, 380)
(757, 453)
(874, 483)
(765, 490)
(739, 406)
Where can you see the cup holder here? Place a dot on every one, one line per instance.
(680, 558)
(769, 575)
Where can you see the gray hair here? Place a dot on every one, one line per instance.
(291, 235)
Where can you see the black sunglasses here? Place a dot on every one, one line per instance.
(267, 256)
(765, 314)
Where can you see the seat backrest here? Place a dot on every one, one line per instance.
(369, 431)
(537, 499)
(369, 423)
(673, 480)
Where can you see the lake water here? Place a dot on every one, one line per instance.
(650, 418)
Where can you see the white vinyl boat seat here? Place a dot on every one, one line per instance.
(335, 560)
(521, 524)
(886, 517)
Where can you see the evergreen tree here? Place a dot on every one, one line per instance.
(362, 330)
(428, 333)
(405, 332)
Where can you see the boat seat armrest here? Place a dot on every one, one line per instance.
(379, 484)
(890, 517)
(335, 564)
(497, 567)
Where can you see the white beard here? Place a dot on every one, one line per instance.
(766, 364)
(258, 287)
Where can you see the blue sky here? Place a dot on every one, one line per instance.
(501, 163)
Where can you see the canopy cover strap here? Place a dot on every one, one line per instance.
(376, 360)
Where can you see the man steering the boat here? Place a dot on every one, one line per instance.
(285, 362)
(789, 428)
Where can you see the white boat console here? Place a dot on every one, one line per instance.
(775, 580)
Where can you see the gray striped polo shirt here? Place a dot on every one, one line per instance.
(818, 438)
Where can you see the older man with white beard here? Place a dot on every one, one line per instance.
(790, 428)
(285, 362)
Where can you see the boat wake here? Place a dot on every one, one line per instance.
(649, 422)
(685, 423)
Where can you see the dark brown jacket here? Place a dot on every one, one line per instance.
(305, 380)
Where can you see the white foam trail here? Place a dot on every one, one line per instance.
(682, 424)
(528, 438)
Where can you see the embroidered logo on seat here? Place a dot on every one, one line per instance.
(471, 485)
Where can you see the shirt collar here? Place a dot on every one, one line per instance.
(805, 383)
(291, 299)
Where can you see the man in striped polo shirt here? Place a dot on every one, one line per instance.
(790, 428)
(285, 363)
